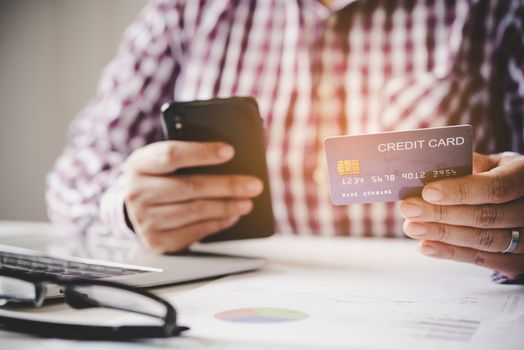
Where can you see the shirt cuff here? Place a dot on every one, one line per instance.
(112, 213)
(497, 277)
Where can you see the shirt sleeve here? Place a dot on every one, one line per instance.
(84, 188)
(509, 69)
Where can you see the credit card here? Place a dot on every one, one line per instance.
(391, 166)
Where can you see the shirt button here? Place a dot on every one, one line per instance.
(325, 90)
(332, 21)
(320, 176)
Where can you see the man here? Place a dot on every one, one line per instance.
(317, 69)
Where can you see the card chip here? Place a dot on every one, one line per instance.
(348, 167)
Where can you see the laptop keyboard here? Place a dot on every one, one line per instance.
(60, 267)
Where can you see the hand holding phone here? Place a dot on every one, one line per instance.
(197, 186)
(234, 121)
(169, 212)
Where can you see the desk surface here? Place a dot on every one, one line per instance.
(388, 265)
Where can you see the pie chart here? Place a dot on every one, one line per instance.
(261, 315)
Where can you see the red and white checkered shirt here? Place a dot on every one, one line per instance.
(357, 67)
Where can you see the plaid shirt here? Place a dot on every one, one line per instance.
(357, 67)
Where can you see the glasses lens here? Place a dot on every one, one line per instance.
(15, 290)
(122, 299)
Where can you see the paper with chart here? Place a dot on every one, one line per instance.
(347, 309)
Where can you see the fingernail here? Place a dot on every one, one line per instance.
(244, 206)
(164, 155)
(427, 250)
(414, 229)
(431, 194)
(226, 152)
(254, 186)
(410, 210)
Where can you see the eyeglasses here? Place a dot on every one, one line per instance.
(81, 293)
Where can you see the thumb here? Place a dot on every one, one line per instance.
(165, 157)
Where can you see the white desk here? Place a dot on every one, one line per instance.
(394, 263)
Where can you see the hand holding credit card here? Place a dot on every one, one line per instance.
(392, 166)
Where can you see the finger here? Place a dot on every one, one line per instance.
(171, 217)
(504, 215)
(167, 156)
(510, 265)
(154, 190)
(498, 185)
(488, 240)
(483, 163)
(179, 239)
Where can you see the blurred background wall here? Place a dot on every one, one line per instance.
(51, 55)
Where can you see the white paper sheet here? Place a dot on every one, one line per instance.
(351, 309)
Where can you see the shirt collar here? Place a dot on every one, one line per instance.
(338, 5)
(326, 12)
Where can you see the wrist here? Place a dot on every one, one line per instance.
(113, 213)
(508, 154)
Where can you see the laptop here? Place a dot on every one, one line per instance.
(113, 260)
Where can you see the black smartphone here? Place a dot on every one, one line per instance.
(235, 121)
